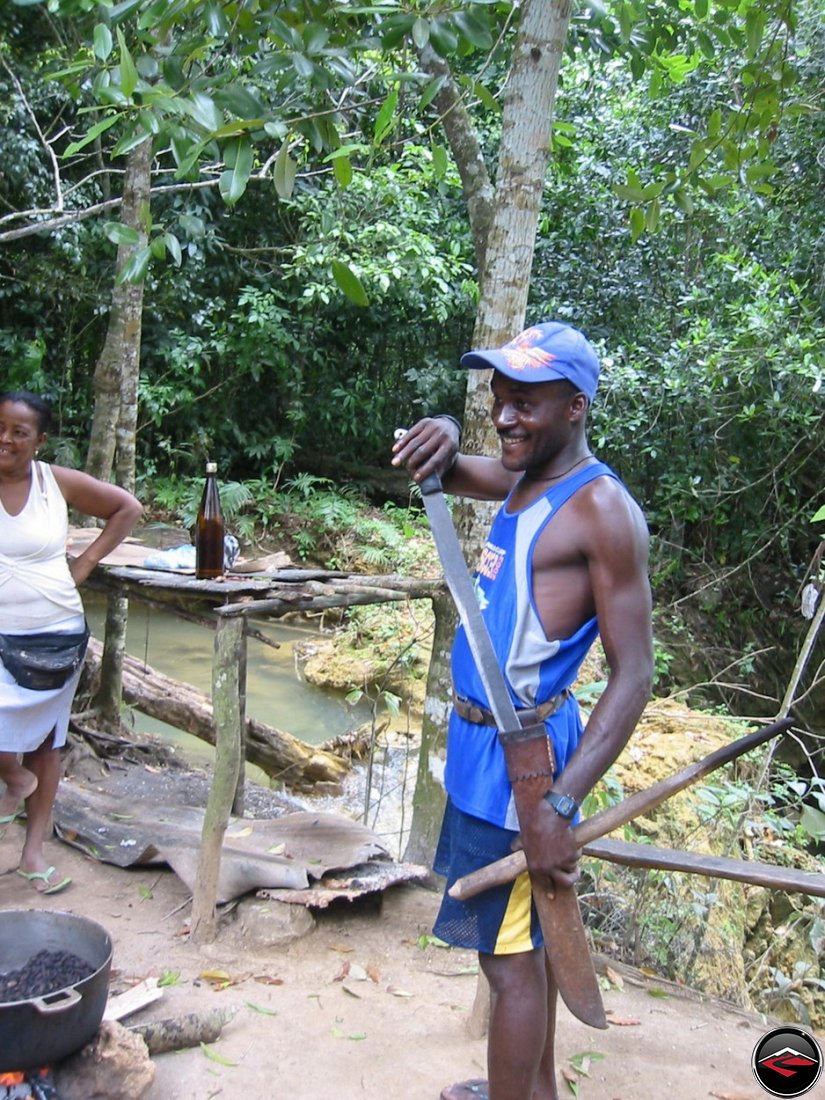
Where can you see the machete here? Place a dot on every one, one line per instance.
(559, 915)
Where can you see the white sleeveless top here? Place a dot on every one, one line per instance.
(37, 591)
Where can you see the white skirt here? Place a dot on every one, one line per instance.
(28, 717)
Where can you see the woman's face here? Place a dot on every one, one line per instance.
(20, 437)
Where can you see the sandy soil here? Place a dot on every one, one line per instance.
(357, 1007)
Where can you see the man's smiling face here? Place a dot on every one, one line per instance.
(535, 421)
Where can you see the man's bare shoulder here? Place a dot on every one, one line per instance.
(606, 506)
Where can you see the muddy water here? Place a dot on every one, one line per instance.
(276, 693)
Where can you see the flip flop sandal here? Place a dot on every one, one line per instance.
(44, 876)
(476, 1089)
(8, 819)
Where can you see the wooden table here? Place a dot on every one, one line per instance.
(227, 605)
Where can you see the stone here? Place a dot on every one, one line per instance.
(264, 924)
(115, 1065)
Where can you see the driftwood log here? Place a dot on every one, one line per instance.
(179, 1032)
(281, 755)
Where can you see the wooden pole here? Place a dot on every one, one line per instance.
(769, 875)
(227, 712)
(600, 824)
(240, 785)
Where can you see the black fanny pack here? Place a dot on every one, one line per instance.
(43, 662)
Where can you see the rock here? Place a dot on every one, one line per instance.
(263, 924)
(115, 1065)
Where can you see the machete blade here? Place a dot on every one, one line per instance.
(565, 943)
(565, 940)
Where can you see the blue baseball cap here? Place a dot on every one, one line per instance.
(547, 352)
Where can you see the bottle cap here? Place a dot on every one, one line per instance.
(211, 467)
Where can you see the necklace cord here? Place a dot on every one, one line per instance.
(555, 477)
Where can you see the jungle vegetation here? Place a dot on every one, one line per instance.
(309, 281)
(263, 232)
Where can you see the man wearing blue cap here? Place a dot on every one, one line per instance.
(565, 560)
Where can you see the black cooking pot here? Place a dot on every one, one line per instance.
(43, 1030)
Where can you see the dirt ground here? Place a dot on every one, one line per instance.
(357, 1007)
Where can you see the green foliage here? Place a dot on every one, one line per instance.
(309, 516)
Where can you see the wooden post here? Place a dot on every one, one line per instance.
(226, 709)
(240, 785)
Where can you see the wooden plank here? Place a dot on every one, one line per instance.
(139, 996)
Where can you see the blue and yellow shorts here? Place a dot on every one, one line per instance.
(499, 921)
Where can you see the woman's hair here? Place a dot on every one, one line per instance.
(38, 405)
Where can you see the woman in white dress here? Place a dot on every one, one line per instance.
(39, 593)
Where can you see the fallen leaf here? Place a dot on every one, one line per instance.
(622, 1021)
(344, 950)
(210, 1052)
(277, 849)
(658, 993)
(351, 992)
(731, 1095)
(268, 979)
(342, 973)
(616, 979)
(260, 1008)
(374, 974)
(427, 940)
(570, 1077)
(234, 833)
(220, 979)
(398, 992)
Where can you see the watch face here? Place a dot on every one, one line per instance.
(563, 804)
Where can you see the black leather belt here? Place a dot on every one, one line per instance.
(527, 716)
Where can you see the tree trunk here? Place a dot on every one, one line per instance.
(106, 700)
(505, 245)
(114, 424)
(118, 367)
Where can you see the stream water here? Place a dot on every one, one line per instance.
(277, 695)
(276, 692)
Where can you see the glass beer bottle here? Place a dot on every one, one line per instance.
(209, 533)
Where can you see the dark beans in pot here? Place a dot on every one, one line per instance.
(44, 973)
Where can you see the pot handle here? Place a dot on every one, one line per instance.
(59, 1002)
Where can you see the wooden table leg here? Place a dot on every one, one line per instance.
(240, 785)
(229, 637)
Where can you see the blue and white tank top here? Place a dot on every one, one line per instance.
(535, 668)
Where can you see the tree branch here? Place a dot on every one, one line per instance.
(49, 151)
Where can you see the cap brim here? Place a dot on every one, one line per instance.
(492, 359)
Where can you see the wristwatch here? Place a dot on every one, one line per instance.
(563, 804)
